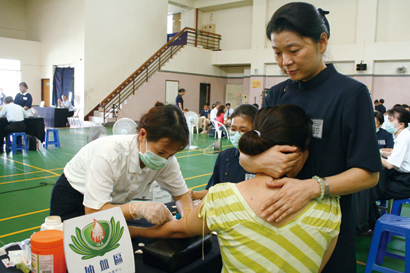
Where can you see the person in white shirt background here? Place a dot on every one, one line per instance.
(394, 181)
(214, 111)
(114, 170)
(15, 116)
(65, 103)
(228, 113)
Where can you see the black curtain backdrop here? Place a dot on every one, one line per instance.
(63, 83)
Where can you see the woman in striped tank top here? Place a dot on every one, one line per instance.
(302, 242)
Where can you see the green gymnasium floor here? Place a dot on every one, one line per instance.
(25, 202)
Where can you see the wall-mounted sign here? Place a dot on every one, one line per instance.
(256, 84)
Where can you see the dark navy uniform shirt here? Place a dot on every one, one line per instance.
(23, 100)
(384, 139)
(343, 129)
(181, 100)
(227, 169)
(205, 113)
(380, 108)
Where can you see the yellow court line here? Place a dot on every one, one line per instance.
(361, 263)
(198, 186)
(8, 175)
(36, 178)
(29, 165)
(20, 231)
(198, 176)
(194, 155)
(25, 214)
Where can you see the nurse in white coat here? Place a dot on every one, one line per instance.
(114, 170)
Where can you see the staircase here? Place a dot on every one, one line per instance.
(107, 109)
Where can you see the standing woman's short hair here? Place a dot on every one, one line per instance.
(24, 84)
(165, 122)
(286, 124)
(301, 18)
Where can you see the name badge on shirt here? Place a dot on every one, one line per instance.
(24, 98)
(317, 128)
(382, 142)
(249, 176)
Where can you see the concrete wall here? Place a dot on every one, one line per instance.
(59, 25)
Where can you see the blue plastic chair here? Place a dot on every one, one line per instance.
(55, 141)
(385, 225)
(385, 206)
(16, 144)
(397, 205)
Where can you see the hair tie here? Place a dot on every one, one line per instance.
(256, 131)
(323, 12)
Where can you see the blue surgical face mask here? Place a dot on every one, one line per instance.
(390, 127)
(234, 138)
(151, 160)
(377, 130)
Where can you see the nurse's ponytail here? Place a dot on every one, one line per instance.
(277, 125)
(301, 18)
(165, 121)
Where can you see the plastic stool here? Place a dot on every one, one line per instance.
(13, 145)
(56, 140)
(397, 205)
(385, 206)
(384, 226)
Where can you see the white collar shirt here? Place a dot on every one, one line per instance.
(107, 170)
(228, 113)
(213, 114)
(68, 105)
(400, 156)
(13, 112)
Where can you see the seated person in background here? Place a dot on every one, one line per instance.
(205, 113)
(228, 114)
(15, 116)
(394, 181)
(24, 98)
(227, 167)
(302, 242)
(220, 114)
(65, 103)
(398, 159)
(384, 138)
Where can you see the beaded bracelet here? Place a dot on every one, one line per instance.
(322, 189)
(327, 190)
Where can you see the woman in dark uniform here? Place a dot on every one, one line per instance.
(384, 138)
(343, 151)
(227, 168)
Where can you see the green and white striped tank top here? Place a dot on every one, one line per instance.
(249, 244)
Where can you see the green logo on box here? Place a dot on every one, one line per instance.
(97, 238)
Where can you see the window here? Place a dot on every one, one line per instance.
(10, 76)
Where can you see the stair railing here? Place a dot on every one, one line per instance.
(187, 36)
